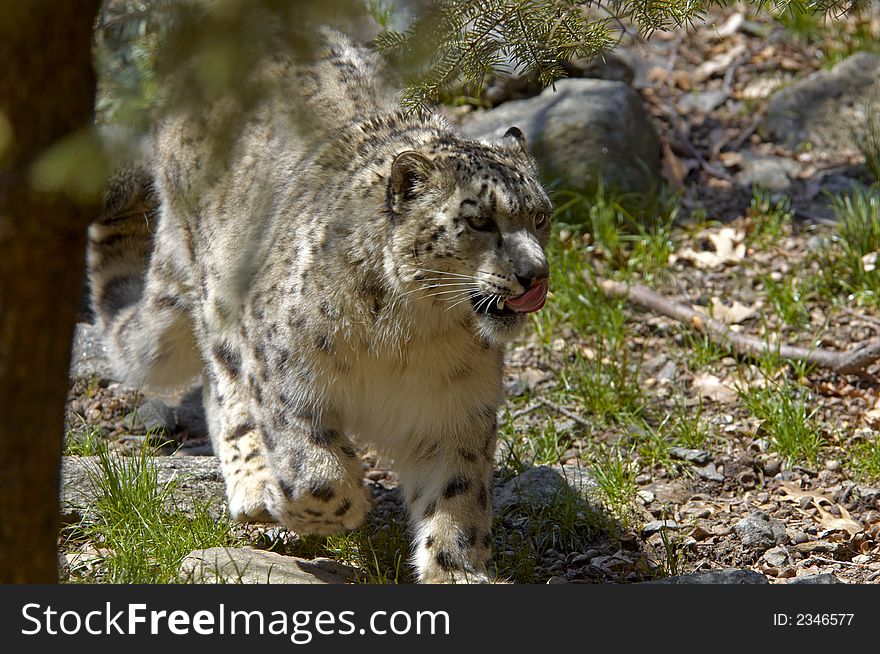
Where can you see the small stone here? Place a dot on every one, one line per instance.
(825, 578)
(727, 576)
(152, 417)
(761, 531)
(658, 525)
(710, 472)
(557, 580)
(772, 467)
(700, 457)
(832, 465)
(776, 556)
(645, 496)
(667, 373)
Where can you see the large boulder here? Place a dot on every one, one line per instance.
(583, 129)
(826, 110)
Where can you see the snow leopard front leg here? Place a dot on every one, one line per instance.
(448, 484)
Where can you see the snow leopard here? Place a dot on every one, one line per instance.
(340, 272)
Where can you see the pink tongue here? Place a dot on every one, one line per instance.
(530, 301)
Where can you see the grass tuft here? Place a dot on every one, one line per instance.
(142, 532)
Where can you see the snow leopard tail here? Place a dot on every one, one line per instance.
(140, 306)
(120, 241)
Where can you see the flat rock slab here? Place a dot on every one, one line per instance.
(585, 128)
(245, 565)
(827, 108)
(196, 479)
(728, 576)
(89, 358)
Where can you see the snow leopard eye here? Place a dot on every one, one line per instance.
(542, 220)
(481, 223)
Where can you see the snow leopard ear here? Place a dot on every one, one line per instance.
(408, 170)
(515, 140)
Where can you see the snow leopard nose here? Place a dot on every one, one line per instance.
(532, 273)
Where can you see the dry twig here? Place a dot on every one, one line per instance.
(852, 362)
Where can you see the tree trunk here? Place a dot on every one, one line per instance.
(46, 92)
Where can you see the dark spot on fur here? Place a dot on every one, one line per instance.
(343, 508)
(455, 487)
(467, 455)
(227, 359)
(444, 560)
(487, 539)
(467, 539)
(118, 293)
(168, 302)
(348, 451)
(324, 343)
(241, 430)
(430, 510)
(429, 542)
(322, 491)
(323, 436)
(312, 512)
(483, 497)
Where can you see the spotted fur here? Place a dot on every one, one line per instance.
(334, 280)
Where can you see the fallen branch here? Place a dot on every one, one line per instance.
(852, 362)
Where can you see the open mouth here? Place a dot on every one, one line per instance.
(529, 302)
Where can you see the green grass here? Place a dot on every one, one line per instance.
(83, 440)
(771, 218)
(142, 533)
(869, 143)
(858, 224)
(626, 235)
(615, 474)
(686, 428)
(786, 299)
(864, 460)
(567, 523)
(700, 351)
(378, 551)
(835, 38)
(787, 412)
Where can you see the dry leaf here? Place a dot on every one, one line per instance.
(719, 63)
(733, 314)
(832, 523)
(728, 248)
(712, 388)
(674, 171)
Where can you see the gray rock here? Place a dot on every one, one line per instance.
(89, 358)
(776, 556)
(608, 65)
(827, 106)
(585, 128)
(825, 578)
(761, 531)
(245, 565)
(196, 479)
(710, 472)
(541, 485)
(700, 457)
(151, 417)
(703, 101)
(655, 526)
(191, 413)
(766, 171)
(727, 576)
(667, 373)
